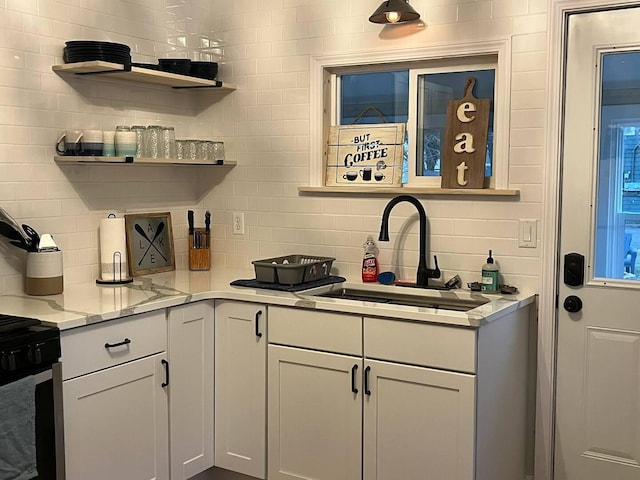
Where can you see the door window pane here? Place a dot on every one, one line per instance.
(617, 236)
(435, 90)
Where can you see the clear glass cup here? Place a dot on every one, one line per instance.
(168, 142)
(140, 134)
(181, 147)
(191, 150)
(202, 148)
(217, 154)
(152, 141)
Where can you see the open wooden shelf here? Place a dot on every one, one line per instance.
(116, 71)
(477, 192)
(95, 160)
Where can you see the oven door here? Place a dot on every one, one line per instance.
(47, 382)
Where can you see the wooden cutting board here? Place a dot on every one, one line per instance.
(465, 143)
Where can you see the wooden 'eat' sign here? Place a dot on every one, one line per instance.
(465, 141)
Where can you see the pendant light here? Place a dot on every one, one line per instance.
(394, 11)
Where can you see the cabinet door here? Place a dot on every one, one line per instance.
(191, 389)
(418, 423)
(116, 423)
(315, 416)
(240, 396)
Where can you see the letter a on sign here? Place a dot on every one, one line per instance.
(465, 141)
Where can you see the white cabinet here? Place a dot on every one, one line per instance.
(240, 393)
(138, 396)
(418, 423)
(315, 415)
(406, 400)
(115, 399)
(191, 389)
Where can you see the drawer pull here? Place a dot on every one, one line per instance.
(166, 373)
(366, 380)
(258, 332)
(126, 341)
(354, 371)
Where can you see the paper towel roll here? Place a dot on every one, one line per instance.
(113, 250)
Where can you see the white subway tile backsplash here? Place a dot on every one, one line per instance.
(265, 48)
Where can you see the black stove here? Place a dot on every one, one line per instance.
(26, 347)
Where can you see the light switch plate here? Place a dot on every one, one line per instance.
(528, 234)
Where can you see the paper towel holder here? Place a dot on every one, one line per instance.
(117, 267)
(119, 277)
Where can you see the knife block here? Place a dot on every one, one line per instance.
(199, 251)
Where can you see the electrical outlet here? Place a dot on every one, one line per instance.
(238, 223)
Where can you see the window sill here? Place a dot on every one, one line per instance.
(477, 192)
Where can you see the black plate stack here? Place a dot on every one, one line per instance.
(89, 50)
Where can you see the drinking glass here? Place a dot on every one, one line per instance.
(168, 142)
(181, 148)
(140, 134)
(202, 147)
(218, 152)
(191, 149)
(152, 141)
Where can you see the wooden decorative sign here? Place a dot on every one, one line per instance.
(465, 142)
(368, 155)
(149, 243)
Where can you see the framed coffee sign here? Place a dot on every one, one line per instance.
(362, 155)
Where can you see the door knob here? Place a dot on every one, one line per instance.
(572, 304)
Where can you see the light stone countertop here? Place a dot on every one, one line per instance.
(85, 304)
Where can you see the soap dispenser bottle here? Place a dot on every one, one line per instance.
(370, 261)
(490, 273)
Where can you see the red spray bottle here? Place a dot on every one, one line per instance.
(370, 261)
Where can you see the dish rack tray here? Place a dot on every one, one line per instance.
(292, 269)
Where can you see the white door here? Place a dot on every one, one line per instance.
(419, 423)
(598, 370)
(315, 415)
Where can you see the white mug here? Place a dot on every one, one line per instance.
(69, 142)
(109, 145)
(92, 142)
(126, 144)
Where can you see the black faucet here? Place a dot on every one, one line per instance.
(424, 273)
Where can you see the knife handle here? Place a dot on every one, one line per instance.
(190, 220)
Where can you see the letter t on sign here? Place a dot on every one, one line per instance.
(462, 168)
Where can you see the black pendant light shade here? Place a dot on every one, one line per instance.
(394, 11)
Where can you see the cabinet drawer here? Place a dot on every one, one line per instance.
(86, 349)
(332, 332)
(420, 344)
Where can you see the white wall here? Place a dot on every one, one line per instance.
(265, 124)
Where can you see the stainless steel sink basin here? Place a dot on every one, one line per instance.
(445, 302)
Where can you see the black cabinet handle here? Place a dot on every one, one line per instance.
(126, 341)
(366, 380)
(258, 332)
(166, 373)
(354, 371)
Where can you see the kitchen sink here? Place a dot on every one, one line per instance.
(444, 302)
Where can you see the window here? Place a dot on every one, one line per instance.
(414, 87)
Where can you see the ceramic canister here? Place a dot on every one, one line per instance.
(44, 273)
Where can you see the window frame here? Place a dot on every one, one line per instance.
(324, 96)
